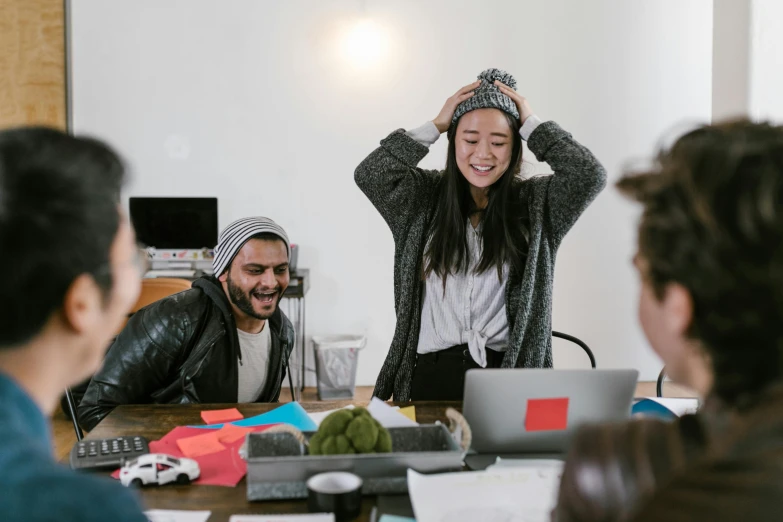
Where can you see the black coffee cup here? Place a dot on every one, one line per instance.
(337, 492)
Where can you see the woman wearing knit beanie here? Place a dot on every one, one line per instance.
(475, 244)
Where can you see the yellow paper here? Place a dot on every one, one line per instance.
(410, 412)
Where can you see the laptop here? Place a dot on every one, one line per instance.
(496, 408)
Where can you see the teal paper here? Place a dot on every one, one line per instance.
(291, 413)
(650, 408)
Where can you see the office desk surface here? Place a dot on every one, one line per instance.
(154, 421)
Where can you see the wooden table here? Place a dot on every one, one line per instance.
(154, 421)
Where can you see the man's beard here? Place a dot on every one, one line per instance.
(244, 301)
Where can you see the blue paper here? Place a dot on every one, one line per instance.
(291, 413)
(395, 518)
(650, 408)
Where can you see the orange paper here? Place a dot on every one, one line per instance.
(231, 433)
(200, 445)
(221, 416)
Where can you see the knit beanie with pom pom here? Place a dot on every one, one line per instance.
(487, 95)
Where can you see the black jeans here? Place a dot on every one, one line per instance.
(440, 376)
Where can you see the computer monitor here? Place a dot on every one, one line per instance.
(175, 223)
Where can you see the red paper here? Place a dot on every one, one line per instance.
(224, 468)
(547, 414)
(231, 433)
(199, 445)
(221, 416)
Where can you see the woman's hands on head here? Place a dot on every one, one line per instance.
(522, 104)
(443, 120)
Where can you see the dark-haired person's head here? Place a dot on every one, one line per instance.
(69, 257)
(612, 469)
(710, 257)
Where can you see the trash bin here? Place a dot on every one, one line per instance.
(336, 358)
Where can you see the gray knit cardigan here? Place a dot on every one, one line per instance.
(402, 193)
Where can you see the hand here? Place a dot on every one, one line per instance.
(521, 102)
(443, 120)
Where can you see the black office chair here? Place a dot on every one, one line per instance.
(290, 382)
(72, 409)
(659, 384)
(579, 342)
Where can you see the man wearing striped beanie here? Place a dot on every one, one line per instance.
(223, 341)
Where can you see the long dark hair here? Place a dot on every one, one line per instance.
(504, 229)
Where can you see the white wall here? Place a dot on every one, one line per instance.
(250, 102)
(731, 59)
(766, 60)
(747, 59)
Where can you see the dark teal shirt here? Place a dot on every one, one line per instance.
(34, 487)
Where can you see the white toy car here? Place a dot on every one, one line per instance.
(158, 468)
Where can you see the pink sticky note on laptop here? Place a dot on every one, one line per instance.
(547, 414)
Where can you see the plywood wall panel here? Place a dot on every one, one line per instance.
(32, 63)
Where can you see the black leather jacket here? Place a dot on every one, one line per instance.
(181, 349)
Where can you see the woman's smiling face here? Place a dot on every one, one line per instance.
(484, 145)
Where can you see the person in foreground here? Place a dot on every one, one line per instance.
(71, 274)
(223, 341)
(711, 266)
(475, 245)
(611, 469)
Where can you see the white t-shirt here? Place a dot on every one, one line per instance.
(255, 363)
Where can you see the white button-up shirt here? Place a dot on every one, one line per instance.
(471, 310)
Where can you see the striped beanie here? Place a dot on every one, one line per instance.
(235, 235)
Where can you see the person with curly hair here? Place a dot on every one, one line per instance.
(710, 258)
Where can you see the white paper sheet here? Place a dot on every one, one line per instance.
(556, 465)
(319, 416)
(522, 494)
(388, 416)
(679, 407)
(315, 517)
(170, 515)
